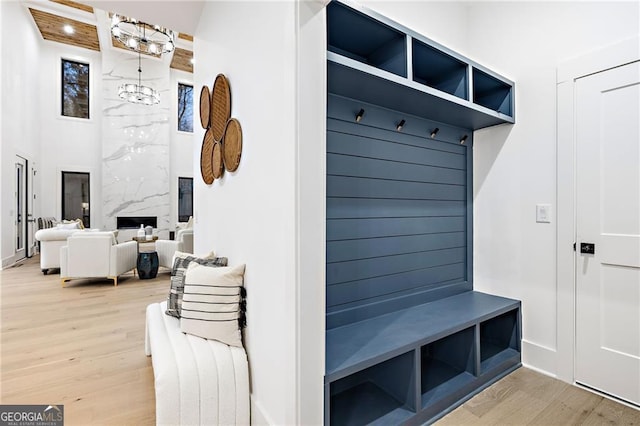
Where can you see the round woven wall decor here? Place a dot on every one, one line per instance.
(205, 107)
(232, 145)
(220, 106)
(206, 157)
(216, 161)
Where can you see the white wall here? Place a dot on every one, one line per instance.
(515, 166)
(249, 215)
(21, 130)
(444, 22)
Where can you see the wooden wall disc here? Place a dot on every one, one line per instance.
(205, 107)
(216, 160)
(206, 156)
(220, 106)
(232, 145)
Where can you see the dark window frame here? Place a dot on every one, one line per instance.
(68, 83)
(184, 217)
(182, 108)
(86, 218)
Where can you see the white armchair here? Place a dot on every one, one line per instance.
(96, 255)
(167, 248)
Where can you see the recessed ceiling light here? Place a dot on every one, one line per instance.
(68, 29)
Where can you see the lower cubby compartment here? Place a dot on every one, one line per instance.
(447, 365)
(381, 394)
(499, 340)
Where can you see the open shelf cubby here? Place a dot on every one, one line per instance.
(383, 393)
(361, 38)
(439, 70)
(492, 93)
(447, 365)
(499, 340)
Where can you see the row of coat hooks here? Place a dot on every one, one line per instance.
(401, 124)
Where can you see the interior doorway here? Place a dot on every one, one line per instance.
(76, 197)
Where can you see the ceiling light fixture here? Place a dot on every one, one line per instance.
(137, 93)
(68, 29)
(141, 37)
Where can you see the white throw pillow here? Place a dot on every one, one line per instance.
(213, 305)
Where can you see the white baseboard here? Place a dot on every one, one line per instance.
(539, 358)
(8, 261)
(258, 414)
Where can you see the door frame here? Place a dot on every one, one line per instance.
(612, 56)
(19, 159)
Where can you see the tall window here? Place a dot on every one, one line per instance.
(185, 107)
(75, 197)
(75, 89)
(185, 198)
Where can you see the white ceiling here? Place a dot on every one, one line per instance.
(181, 16)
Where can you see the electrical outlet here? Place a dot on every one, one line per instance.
(543, 213)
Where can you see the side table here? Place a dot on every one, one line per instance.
(147, 264)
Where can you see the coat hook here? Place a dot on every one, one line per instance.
(463, 140)
(434, 132)
(400, 125)
(359, 115)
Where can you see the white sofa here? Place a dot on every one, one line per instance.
(96, 255)
(167, 248)
(197, 381)
(51, 240)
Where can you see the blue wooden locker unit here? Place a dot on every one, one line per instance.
(408, 339)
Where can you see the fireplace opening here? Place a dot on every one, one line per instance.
(130, 222)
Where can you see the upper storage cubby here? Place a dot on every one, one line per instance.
(375, 60)
(439, 70)
(357, 36)
(491, 92)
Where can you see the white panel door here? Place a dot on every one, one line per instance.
(608, 216)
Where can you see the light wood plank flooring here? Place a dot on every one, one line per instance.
(83, 346)
(526, 397)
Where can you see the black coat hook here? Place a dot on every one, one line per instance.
(463, 140)
(434, 132)
(359, 115)
(400, 125)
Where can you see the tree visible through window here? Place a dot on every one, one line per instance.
(75, 89)
(185, 107)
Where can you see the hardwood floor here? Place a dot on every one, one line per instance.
(83, 346)
(528, 398)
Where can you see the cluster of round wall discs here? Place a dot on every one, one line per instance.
(222, 144)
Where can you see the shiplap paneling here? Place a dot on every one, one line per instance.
(397, 212)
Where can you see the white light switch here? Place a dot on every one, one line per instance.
(543, 213)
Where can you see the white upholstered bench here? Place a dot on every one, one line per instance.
(197, 381)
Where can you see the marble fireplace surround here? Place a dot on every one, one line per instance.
(135, 145)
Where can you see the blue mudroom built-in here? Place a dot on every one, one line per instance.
(407, 336)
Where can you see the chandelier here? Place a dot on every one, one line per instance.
(137, 93)
(141, 37)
